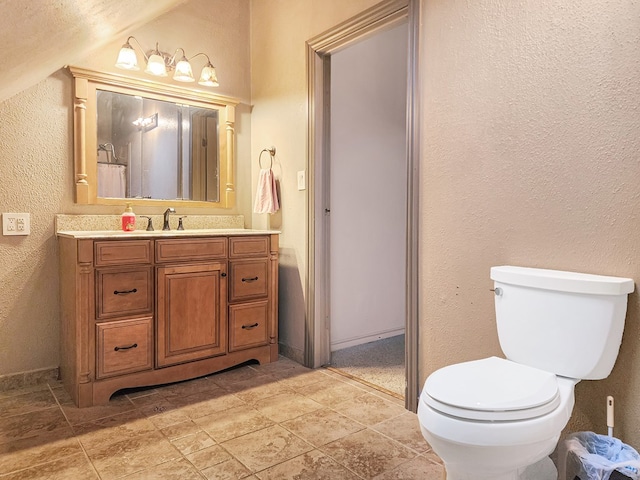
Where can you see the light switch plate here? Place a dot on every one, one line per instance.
(16, 224)
(302, 180)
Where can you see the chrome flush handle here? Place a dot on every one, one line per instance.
(497, 291)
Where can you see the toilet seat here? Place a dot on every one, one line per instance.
(492, 389)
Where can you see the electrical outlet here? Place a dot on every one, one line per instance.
(16, 224)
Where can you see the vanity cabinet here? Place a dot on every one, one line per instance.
(148, 311)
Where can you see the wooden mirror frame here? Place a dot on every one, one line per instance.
(86, 82)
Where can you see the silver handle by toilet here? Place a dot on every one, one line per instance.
(497, 291)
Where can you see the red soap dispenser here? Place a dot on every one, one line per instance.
(128, 219)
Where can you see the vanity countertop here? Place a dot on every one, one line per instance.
(195, 232)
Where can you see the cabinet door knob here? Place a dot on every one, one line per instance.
(223, 274)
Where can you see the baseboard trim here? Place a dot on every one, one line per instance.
(14, 381)
(352, 342)
(291, 353)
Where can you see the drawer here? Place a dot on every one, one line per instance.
(125, 291)
(122, 252)
(248, 325)
(172, 250)
(249, 246)
(249, 279)
(124, 347)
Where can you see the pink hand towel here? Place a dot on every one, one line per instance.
(266, 195)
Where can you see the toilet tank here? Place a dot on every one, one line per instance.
(566, 323)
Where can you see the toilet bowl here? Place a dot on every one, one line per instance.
(489, 418)
(497, 418)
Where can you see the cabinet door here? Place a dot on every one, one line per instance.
(191, 312)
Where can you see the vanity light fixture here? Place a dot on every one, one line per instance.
(146, 123)
(158, 63)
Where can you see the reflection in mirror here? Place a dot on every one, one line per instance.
(151, 143)
(150, 148)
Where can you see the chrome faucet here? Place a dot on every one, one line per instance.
(167, 212)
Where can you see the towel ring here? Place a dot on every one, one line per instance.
(272, 153)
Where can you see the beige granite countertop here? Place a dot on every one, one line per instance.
(203, 232)
(108, 226)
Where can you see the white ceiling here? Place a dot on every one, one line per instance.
(39, 37)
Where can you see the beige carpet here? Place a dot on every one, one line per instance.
(379, 363)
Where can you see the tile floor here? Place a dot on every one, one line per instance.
(277, 421)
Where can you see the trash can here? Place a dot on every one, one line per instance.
(589, 456)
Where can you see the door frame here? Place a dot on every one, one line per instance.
(386, 14)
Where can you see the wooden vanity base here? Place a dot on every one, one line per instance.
(150, 311)
(100, 392)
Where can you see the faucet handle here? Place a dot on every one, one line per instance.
(149, 223)
(180, 226)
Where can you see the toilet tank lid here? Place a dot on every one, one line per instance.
(562, 281)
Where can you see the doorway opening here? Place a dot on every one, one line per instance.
(323, 295)
(366, 198)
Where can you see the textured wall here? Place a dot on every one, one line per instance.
(35, 149)
(37, 177)
(530, 156)
(279, 30)
(43, 36)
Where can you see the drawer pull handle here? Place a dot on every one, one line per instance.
(124, 292)
(248, 280)
(249, 327)
(117, 349)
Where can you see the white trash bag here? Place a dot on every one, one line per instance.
(590, 456)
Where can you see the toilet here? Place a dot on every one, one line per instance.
(499, 418)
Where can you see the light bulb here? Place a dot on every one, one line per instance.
(156, 66)
(208, 77)
(127, 58)
(183, 71)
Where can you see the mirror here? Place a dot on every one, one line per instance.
(155, 149)
(151, 143)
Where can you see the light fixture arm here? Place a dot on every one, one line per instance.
(201, 53)
(146, 58)
(171, 62)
